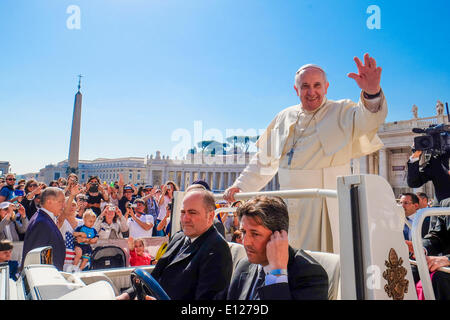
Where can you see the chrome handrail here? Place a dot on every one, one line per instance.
(292, 194)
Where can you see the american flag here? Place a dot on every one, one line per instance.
(70, 248)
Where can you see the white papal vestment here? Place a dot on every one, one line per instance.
(337, 132)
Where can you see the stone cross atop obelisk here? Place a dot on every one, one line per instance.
(74, 149)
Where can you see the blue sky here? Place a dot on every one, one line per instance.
(152, 67)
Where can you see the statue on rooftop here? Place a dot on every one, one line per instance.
(414, 111)
(439, 108)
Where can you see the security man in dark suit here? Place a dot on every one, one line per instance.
(273, 270)
(435, 170)
(42, 229)
(197, 264)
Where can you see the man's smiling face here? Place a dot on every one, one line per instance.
(311, 88)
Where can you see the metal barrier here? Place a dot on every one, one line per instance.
(288, 194)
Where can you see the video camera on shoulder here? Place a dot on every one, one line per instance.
(435, 138)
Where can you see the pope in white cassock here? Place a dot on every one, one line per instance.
(312, 143)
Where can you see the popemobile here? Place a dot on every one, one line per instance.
(373, 261)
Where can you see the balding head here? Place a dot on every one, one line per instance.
(209, 203)
(197, 212)
(53, 200)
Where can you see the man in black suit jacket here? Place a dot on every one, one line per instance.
(273, 270)
(436, 170)
(197, 264)
(411, 203)
(42, 229)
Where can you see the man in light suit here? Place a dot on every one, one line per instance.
(42, 229)
(273, 270)
(197, 264)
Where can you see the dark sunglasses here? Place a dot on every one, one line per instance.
(11, 179)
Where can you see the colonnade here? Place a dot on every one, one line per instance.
(217, 180)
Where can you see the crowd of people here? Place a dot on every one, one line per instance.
(314, 143)
(97, 210)
(122, 211)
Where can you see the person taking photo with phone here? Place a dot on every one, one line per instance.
(13, 221)
(167, 191)
(140, 225)
(96, 194)
(111, 223)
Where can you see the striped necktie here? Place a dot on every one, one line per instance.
(258, 283)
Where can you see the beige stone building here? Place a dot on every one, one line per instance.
(390, 161)
(220, 171)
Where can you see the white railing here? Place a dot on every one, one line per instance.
(289, 194)
(422, 265)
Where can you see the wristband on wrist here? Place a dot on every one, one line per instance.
(278, 272)
(371, 96)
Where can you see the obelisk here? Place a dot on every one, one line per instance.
(74, 149)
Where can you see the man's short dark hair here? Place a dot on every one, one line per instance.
(203, 183)
(271, 212)
(422, 195)
(5, 245)
(236, 234)
(414, 198)
(93, 178)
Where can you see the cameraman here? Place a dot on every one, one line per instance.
(436, 170)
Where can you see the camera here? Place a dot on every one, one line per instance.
(131, 205)
(435, 139)
(112, 208)
(93, 188)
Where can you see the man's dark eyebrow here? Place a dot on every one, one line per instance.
(250, 230)
(315, 83)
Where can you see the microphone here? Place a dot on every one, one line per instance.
(418, 130)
